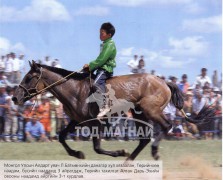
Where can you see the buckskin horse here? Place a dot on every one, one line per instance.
(149, 94)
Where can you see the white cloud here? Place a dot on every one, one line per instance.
(131, 51)
(189, 46)
(132, 3)
(135, 3)
(166, 60)
(153, 58)
(38, 10)
(94, 11)
(205, 25)
(126, 54)
(194, 8)
(126, 51)
(6, 46)
(18, 47)
(188, 6)
(180, 53)
(170, 62)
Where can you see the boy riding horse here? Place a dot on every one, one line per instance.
(104, 64)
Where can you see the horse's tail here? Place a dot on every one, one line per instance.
(176, 96)
(177, 99)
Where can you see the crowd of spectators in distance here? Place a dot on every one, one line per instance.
(42, 118)
(204, 91)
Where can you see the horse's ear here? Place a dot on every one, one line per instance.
(35, 66)
(30, 64)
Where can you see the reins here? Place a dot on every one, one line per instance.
(30, 95)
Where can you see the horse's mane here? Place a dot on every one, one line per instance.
(64, 72)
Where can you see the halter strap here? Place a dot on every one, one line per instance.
(30, 95)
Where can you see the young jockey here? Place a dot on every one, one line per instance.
(104, 64)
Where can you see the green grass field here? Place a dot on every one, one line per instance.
(200, 159)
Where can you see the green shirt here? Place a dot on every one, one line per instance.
(106, 59)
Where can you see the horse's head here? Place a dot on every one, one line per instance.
(30, 85)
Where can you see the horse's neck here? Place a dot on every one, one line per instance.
(70, 89)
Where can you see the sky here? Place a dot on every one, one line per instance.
(175, 36)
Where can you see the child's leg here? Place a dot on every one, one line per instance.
(100, 81)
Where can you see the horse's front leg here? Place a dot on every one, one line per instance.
(99, 150)
(142, 142)
(62, 136)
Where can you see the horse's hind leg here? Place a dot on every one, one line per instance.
(62, 136)
(143, 141)
(158, 135)
(163, 126)
(152, 110)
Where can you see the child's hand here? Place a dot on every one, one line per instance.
(86, 68)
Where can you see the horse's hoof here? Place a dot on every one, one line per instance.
(72, 153)
(155, 153)
(80, 155)
(156, 156)
(128, 159)
(122, 152)
(126, 153)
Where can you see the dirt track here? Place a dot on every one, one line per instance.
(191, 168)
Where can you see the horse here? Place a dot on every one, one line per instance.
(147, 92)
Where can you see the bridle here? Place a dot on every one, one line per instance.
(34, 91)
